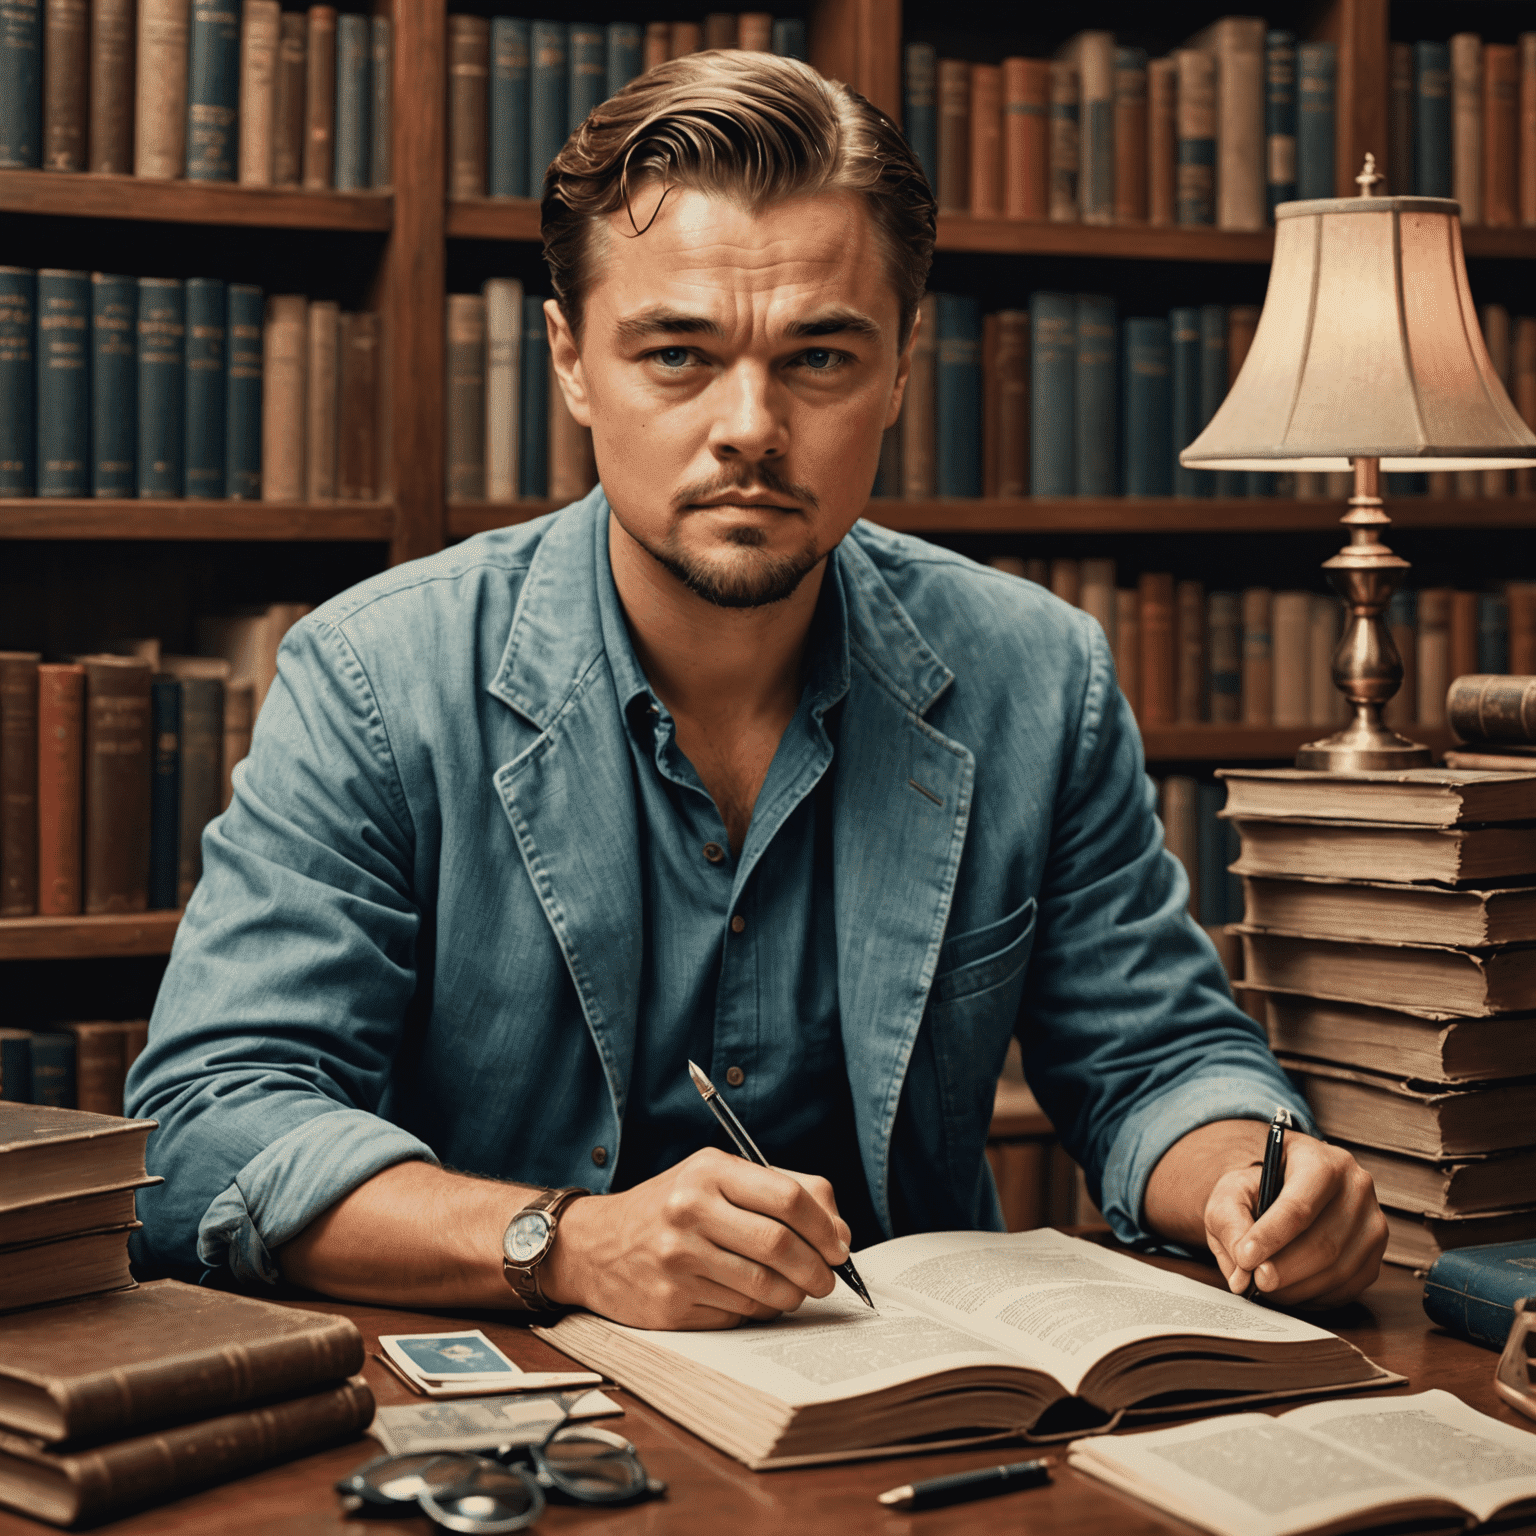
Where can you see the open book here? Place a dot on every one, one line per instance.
(978, 1335)
(1328, 1467)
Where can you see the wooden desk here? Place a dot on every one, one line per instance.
(711, 1495)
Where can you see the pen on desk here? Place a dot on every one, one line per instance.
(1271, 1178)
(749, 1150)
(962, 1487)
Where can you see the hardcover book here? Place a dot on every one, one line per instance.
(111, 87)
(63, 383)
(354, 101)
(508, 136)
(162, 386)
(1473, 1292)
(114, 376)
(213, 91)
(320, 97)
(206, 408)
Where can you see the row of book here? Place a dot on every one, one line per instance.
(1218, 133)
(211, 92)
(518, 88)
(72, 1066)
(116, 386)
(1205, 844)
(114, 763)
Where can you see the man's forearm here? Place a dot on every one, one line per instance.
(1182, 1181)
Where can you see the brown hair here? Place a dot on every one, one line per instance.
(754, 126)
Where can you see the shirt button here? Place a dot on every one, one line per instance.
(738, 924)
(713, 852)
(735, 1076)
(600, 1156)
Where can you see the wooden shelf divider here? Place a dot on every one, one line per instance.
(87, 938)
(46, 517)
(493, 218)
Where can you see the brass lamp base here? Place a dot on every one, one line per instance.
(1367, 669)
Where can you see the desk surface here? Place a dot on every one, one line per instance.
(712, 1494)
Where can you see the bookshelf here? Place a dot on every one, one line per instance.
(265, 521)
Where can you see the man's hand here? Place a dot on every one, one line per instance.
(1320, 1243)
(710, 1242)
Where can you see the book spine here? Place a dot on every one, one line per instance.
(258, 72)
(1197, 136)
(587, 55)
(508, 170)
(1012, 386)
(919, 407)
(1224, 652)
(1434, 654)
(354, 101)
(1475, 1300)
(625, 43)
(242, 393)
(1065, 142)
(206, 406)
(66, 72)
(320, 97)
(213, 91)
(572, 470)
(53, 1069)
(21, 85)
(1492, 633)
(60, 703)
(1491, 708)
(162, 386)
(1130, 172)
(288, 100)
(789, 40)
(63, 383)
(1258, 659)
(1525, 155)
(533, 401)
(18, 374)
(1463, 634)
(16, 1066)
(1467, 125)
(503, 346)
(160, 96)
(1432, 120)
(990, 400)
(321, 400)
(358, 454)
(18, 783)
(687, 37)
(1148, 408)
(986, 147)
(1158, 665)
(1184, 338)
(1501, 133)
(1128, 645)
(958, 381)
(239, 711)
(1290, 630)
(658, 43)
(1189, 631)
(465, 396)
(202, 744)
(1026, 140)
(1095, 430)
(1280, 118)
(954, 186)
(381, 109)
(110, 150)
(920, 73)
(1066, 580)
(1096, 121)
(164, 791)
(1096, 596)
(1162, 141)
(99, 1067)
(1240, 178)
(755, 32)
(1521, 597)
(1316, 65)
(1052, 394)
(1211, 848)
(117, 778)
(1400, 171)
(114, 385)
(285, 349)
(547, 113)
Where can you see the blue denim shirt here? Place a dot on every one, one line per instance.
(418, 931)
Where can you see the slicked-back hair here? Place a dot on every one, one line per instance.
(754, 127)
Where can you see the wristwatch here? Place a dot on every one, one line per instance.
(527, 1242)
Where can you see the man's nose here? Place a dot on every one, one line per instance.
(751, 421)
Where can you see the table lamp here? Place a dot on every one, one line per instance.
(1368, 355)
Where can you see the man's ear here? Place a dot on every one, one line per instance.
(903, 371)
(566, 357)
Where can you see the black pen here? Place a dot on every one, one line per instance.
(962, 1487)
(749, 1150)
(1271, 1179)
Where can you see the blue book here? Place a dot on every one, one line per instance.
(16, 1066)
(957, 390)
(1052, 394)
(381, 112)
(205, 388)
(1473, 1291)
(533, 427)
(354, 103)
(114, 384)
(18, 379)
(1211, 855)
(626, 54)
(242, 393)
(1432, 119)
(1184, 344)
(1493, 641)
(162, 385)
(548, 110)
(1213, 390)
(1234, 882)
(789, 39)
(21, 84)
(53, 1069)
(213, 90)
(1148, 408)
(1280, 118)
(507, 160)
(63, 383)
(1095, 430)
(1316, 65)
(920, 109)
(587, 51)
(164, 792)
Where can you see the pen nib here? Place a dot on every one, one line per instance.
(700, 1081)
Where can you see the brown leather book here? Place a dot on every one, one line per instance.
(1526, 157)
(1242, 322)
(116, 783)
(66, 70)
(69, 1215)
(1128, 645)
(90, 1485)
(986, 146)
(239, 714)
(202, 775)
(1237, 44)
(358, 458)
(18, 783)
(110, 150)
(160, 93)
(1158, 665)
(755, 31)
(60, 712)
(1493, 707)
(572, 467)
(320, 97)
(919, 408)
(687, 37)
(720, 30)
(1467, 125)
(1258, 658)
(77, 1264)
(954, 136)
(1065, 142)
(465, 397)
(1026, 137)
(469, 52)
(1130, 136)
(1012, 388)
(288, 100)
(321, 400)
(163, 1353)
(1189, 617)
(52, 1154)
(1463, 634)
(1501, 133)
(1162, 141)
(260, 28)
(283, 412)
(1402, 106)
(99, 1066)
(658, 43)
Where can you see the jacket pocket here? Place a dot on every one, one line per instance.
(985, 957)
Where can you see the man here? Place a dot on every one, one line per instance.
(700, 769)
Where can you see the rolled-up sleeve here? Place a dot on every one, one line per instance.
(1129, 1032)
(281, 1009)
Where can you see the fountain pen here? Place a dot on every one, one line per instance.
(749, 1150)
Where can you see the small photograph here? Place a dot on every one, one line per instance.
(447, 1356)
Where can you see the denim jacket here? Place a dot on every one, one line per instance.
(417, 932)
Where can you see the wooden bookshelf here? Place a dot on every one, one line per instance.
(494, 218)
(59, 518)
(1254, 743)
(87, 938)
(1134, 242)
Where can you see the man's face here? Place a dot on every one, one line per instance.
(737, 369)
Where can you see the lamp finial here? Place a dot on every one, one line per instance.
(1368, 178)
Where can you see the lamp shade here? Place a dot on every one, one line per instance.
(1368, 346)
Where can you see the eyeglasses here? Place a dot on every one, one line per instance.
(1512, 1380)
(483, 1496)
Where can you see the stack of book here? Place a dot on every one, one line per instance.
(74, 1066)
(518, 88)
(217, 93)
(1390, 926)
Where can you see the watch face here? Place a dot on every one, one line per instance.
(527, 1237)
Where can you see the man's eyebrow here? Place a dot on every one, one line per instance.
(666, 322)
(841, 322)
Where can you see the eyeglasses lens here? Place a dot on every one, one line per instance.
(486, 1499)
(402, 1479)
(589, 1468)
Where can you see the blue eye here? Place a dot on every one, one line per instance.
(819, 358)
(672, 357)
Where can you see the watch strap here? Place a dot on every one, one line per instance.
(524, 1279)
